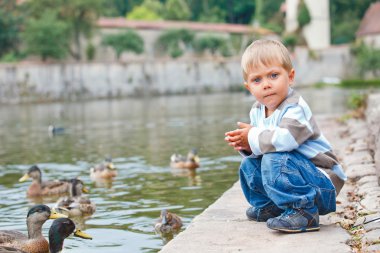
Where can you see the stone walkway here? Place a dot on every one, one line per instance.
(223, 226)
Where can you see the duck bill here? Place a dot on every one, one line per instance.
(55, 215)
(197, 159)
(111, 166)
(85, 190)
(81, 234)
(24, 178)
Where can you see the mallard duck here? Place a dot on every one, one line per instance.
(76, 204)
(105, 170)
(44, 188)
(168, 223)
(59, 231)
(34, 242)
(54, 130)
(189, 162)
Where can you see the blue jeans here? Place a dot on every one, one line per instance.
(288, 180)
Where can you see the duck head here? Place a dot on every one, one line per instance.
(60, 230)
(34, 172)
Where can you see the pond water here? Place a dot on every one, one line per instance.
(140, 135)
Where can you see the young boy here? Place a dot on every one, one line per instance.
(283, 173)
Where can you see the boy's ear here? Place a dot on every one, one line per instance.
(291, 75)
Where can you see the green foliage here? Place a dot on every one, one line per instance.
(212, 44)
(10, 22)
(10, 57)
(79, 15)
(142, 13)
(303, 16)
(128, 41)
(46, 36)
(213, 15)
(90, 51)
(367, 58)
(290, 41)
(345, 19)
(148, 10)
(174, 42)
(356, 100)
(177, 10)
(360, 83)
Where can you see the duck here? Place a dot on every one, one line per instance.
(34, 242)
(105, 170)
(191, 161)
(44, 188)
(76, 204)
(4, 249)
(168, 223)
(54, 130)
(60, 230)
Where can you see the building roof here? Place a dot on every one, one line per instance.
(195, 26)
(370, 22)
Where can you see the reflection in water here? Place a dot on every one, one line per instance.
(140, 135)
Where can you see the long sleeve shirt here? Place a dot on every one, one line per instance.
(291, 127)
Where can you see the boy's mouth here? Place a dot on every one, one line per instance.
(269, 95)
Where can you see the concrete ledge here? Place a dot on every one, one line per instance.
(223, 227)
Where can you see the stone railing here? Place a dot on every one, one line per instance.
(373, 122)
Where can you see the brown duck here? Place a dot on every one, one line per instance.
(76, 204)
(44, 188)
(168, 223)
(35, 242)
(105, 170)
(191, 161)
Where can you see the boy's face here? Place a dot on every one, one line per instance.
(269, 85)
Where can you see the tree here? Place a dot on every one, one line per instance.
(345, 19)
(128, 41)
(148, 10)
(79, 15)
(303, 16)
(46, 36)
(177, 10)
(10, 22)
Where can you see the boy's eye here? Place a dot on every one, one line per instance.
(256, 80)
(273, 75)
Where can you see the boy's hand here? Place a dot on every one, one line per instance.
(238, 139)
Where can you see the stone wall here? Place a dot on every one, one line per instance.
(36, 82)
(373, 122)
(49, 82)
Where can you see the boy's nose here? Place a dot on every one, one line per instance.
(266, 84)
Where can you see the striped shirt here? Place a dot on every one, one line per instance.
(292, 127)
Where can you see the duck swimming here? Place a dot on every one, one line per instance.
(105, 170)
(191, 161)
(76, 204)
(59, 231)
(44, 188)
(168, 223)
(35, 242)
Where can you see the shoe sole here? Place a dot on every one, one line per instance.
(300, 230)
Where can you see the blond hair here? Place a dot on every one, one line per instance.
(265, 53)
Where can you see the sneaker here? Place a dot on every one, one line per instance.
(263, 214)
(296, 220)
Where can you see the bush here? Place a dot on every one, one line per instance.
(174, 42)
(128, 41)
(90, 51)
(211, 43)
(46, 36)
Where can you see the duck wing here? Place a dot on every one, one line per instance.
(8, 236)
(55, 187)
(4, 249)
